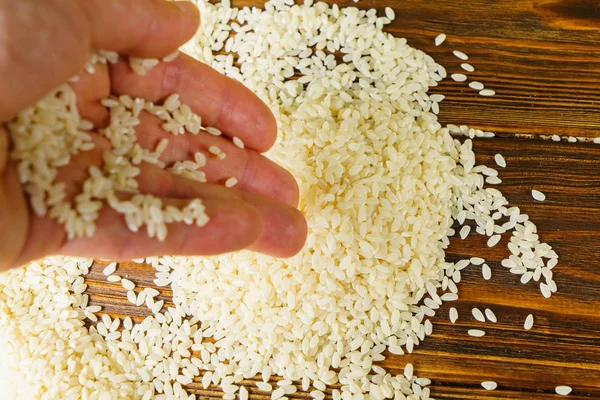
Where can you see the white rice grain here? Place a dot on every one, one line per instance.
(439, 39)
(110, 269)
(464, 231)
(528, 322)
(476, 85)
(459, 54)
(563, 390)
(487, 92)
(453, 315)
(486, 272)
(493, 240)
(490, 315)
(478, 315)
(238, 142)
(127, 284)
(500, 161)
(476, 332)
(390, 14)
(537, 195)
(231, 182)
(467, 67)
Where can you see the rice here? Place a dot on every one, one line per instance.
(459, 54)
(449, 297)
(171, 57)
(265, 387)
(110, 269)
(458, 77)
(390, 14)
(476, 332)
(213, 131)
(476, 260)
(500, 161)
(596, 140)
(467, 67)
(127, 284)
(231, 182)
(563, 390)
(528, 322)
(489, 385)
(131, 297)
(476, 85)
(464, 231)
(408, 371)
(249, 303)
(439, 39)
(478, 315)
(556, 138)
(537, 195)
(486, 272)
(215, 150)
(453, 315)
(490, 315)
(238, 142)
(487, 92)
(493, 240)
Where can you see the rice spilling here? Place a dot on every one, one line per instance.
(382, 183)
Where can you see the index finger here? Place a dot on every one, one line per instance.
(222, 102)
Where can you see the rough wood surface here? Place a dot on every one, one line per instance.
(543, 59)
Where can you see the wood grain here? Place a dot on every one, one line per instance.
(564, 345)
(543, 59)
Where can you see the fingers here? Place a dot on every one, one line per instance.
(220, 101)
(238, 220)
(284, 227)
(140, 28)
(254, 172)
(233, 225)
(90, 90)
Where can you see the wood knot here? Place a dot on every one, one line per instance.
(569, 14)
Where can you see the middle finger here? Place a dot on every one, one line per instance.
(254, 172)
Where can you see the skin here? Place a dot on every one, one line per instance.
(42, 44)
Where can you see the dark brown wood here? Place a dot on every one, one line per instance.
(543, 59)
(564, 345)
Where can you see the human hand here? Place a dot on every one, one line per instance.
(261, 215)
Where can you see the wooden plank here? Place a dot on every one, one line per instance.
(564, 345)
(542, 58)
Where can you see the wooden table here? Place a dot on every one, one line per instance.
(542, 57)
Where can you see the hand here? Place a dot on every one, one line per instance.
(259, 214)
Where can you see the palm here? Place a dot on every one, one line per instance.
(258, 215)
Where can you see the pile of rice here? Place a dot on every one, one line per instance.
(381, 182)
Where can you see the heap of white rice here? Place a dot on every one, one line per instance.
(381, 184)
